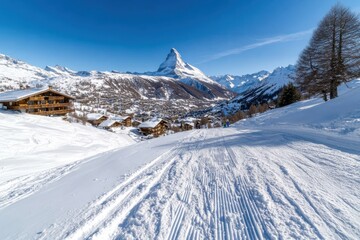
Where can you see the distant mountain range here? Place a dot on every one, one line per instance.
(175, 88)
(254, 88)
(242, 83)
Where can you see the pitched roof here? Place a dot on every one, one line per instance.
(120, 118)
(94, 116)
(189, 123)
(150, 123)
(108, 123)
(17, 95)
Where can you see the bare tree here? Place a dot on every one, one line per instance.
(263, 107)
(333, 54)
(252, 110)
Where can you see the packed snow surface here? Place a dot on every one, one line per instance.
(291, 173)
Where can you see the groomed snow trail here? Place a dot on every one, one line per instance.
(223, 184)
(252, 185)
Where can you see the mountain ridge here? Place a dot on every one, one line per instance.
(183, 86)
(115, 90)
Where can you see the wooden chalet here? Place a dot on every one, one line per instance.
(116, 122)
(109, 123)
(155, 127)
(45, 101)
(125, 121)
(96, 118)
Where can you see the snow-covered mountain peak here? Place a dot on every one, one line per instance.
(175, 67)
(60, 70)
(281, 75)
(65, 69)
(4, 59)
(14, 73)
(242, 83)
(290, 67)
(173, 61)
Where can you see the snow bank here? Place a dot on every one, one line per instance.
(340, 115)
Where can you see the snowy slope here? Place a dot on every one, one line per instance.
(290, 173)
(32, 145)
(339, 115)
(43, 142)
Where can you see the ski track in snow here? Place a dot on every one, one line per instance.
(22, 187)
(205, 187)
(19, 188)
(117, 203)
(220, 184)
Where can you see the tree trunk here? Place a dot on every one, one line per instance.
(324, 95)
(333, 62)
(333, 89)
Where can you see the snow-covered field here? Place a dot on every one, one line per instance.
(290, 173)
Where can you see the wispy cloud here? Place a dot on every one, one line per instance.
(262, 42)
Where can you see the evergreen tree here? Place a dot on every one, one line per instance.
(288, 95)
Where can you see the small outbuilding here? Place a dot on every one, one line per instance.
(96, 118)
(187, 126)
(155, 127)
(135, 123)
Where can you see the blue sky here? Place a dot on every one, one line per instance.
(219, 37)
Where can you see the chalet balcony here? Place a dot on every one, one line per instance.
(56, 98)
(55, 112)
(37, 106)
(37, 98)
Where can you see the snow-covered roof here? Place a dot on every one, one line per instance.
(189, 123)
(108, 123)
(94, 116)
(189, 119)
(16, 95)
(150, 123)
(120, 118)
